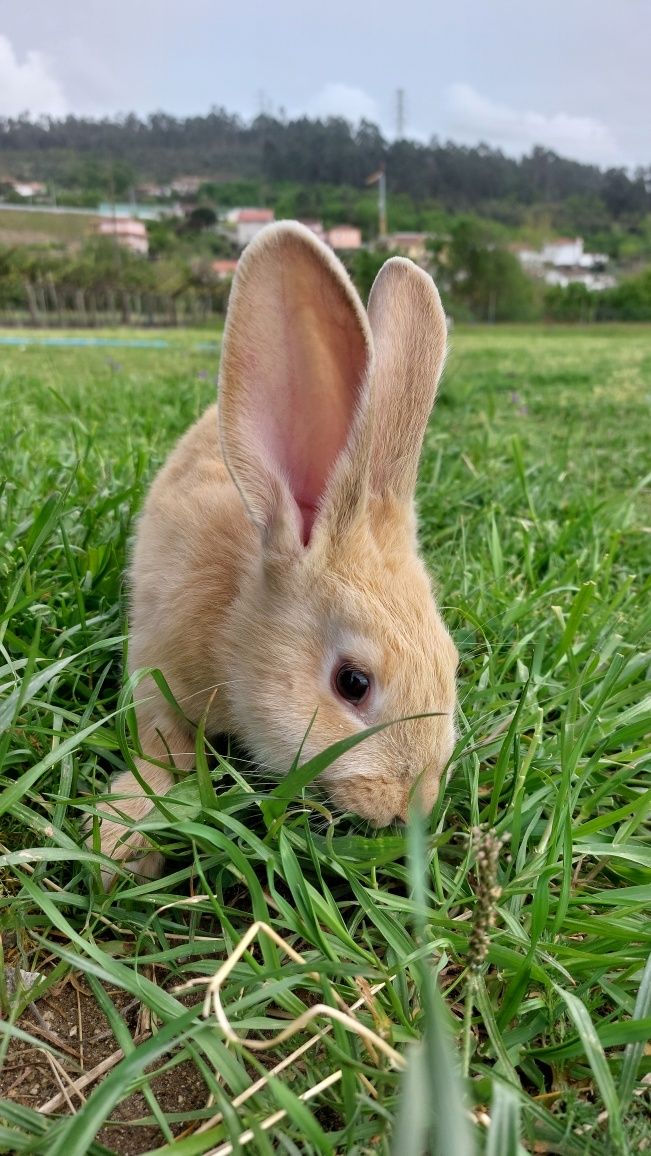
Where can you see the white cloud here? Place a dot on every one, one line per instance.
(343, 100)
(473, 117)
(28, 86)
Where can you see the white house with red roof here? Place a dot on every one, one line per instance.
(248, 223)
(223, 268)
(129, 233)
(29, 188)
(345, 237)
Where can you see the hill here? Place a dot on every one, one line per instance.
(88, 155)
(477, 207)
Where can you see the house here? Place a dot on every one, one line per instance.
(223, 268)
(563, 253)
(186, 186)
(127, 232)
(248, 223)
(595, 282)
(530, 259)
(564, 262)
(28, 188)
(154, 192)
(344, 237)
(413, 245)
(593, 260)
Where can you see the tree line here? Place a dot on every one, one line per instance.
(114, 153)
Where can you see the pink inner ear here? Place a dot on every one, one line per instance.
(303, 432)
(295, 365)
(308, 515)
(310, 398)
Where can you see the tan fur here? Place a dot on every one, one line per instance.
(244, 619)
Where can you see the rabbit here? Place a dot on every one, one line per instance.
(275, 578)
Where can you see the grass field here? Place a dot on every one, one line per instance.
(517, 978)
(21, 227)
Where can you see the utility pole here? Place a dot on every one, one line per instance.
(380, 179)
(382, 202)
(400, 114)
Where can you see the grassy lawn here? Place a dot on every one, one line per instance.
(536, 519)
(25, 227)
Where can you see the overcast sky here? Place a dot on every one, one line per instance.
(573, 75)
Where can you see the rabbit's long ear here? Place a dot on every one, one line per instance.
(293, 375)
(409, 338)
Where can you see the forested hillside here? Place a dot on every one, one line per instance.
(84, 154)
(477, 206)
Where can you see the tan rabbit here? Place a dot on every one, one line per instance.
(275, 572)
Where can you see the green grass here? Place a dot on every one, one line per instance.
(536, 519)
(24, 227)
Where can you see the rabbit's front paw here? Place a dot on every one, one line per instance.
(124, 844)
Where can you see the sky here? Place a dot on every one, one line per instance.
(571, 75)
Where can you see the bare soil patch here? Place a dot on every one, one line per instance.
(68, 1018)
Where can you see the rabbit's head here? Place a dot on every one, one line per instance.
(322, 415)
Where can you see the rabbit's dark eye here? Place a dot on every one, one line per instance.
(352, 684)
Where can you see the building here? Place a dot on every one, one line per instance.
(186, 186)
(247, 223)
(571, 255)
(563, 253)
(129, 233)
(28, 188)
(344, 237)
(530, 259)
(223, 268)
(593, 281)
(155, 192)
(564, 262)
(412, 245)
